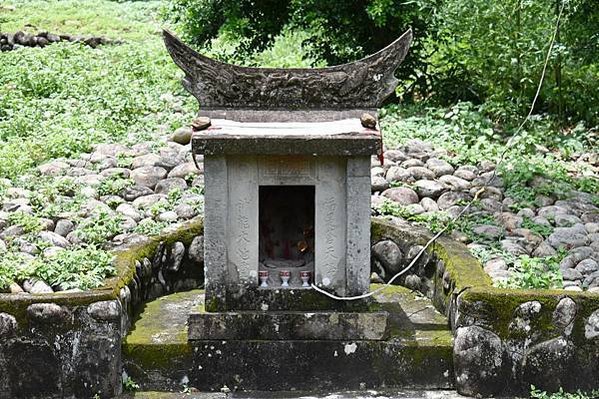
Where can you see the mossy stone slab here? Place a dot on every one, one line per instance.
(156, 353)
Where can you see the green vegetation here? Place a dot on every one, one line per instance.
(462, 50)
(129, 385)
(538, 394)
(114, 185)
(82, 267)
(536, 273)
(100, 228)
(58, 101)
(465, 86)
(538, 162)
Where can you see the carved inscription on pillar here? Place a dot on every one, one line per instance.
(243, 238)
(330, 210)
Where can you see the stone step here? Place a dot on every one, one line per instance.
(293, 325)
(416, 351)
(370, 394)
(156, 353)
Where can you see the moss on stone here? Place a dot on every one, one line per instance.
(125, 259)
(158, 339)
(502, 303)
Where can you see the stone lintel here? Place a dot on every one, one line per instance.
(336, 326)
(336, 138)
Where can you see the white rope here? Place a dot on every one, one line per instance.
(478, 193)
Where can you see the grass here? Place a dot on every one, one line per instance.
(124, 20)
(61, 100)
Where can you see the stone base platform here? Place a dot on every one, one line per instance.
(293, 325)
(402, 343)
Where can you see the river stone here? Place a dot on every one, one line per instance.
(129, 211)
(145, 160)
(64, 227)
(429, 188)
(550, 364)
(39, 287)
(429, 205)
(417, 145)
(105, 310)
(134, 192)
(377, 171)
(591, 281)
(478, 361)
(148, 176)
(117, 172)
(495, 264)
(513, 246)
(8, 325)
(167, 185)
(451, 198)
(53, 168)
(455, 183)
(397, 173)
(567, 237)
(168, 216)
(509, 221)
(587, 266)
(564, 315)
(2, 246)
(196, 249)
(421, 173)
(465, 173)
(401, 195)
(526, 213)
(183, 170)
(565, 220)
(591, 327)
(592, 228)
(550, 211)
(413, 282)
(90, 180)
(378, 183)
(147, 201)
(182, 135)
(47, 312)
(571, 274)
(389, 254)
(488, 231)
(176, 256)
(410, 163)
(54, 239)
(395, 155)
(12, 231)
(185, 211)
(439, 166)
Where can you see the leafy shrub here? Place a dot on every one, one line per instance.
(150, 227)
(480, 57)
(537, 273)
(29, 223)
(82, 268)
(114, 185)
(538, 394)
(99, 228)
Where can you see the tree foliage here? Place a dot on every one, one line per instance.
(470, 50)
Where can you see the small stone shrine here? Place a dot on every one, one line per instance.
(287, 156)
